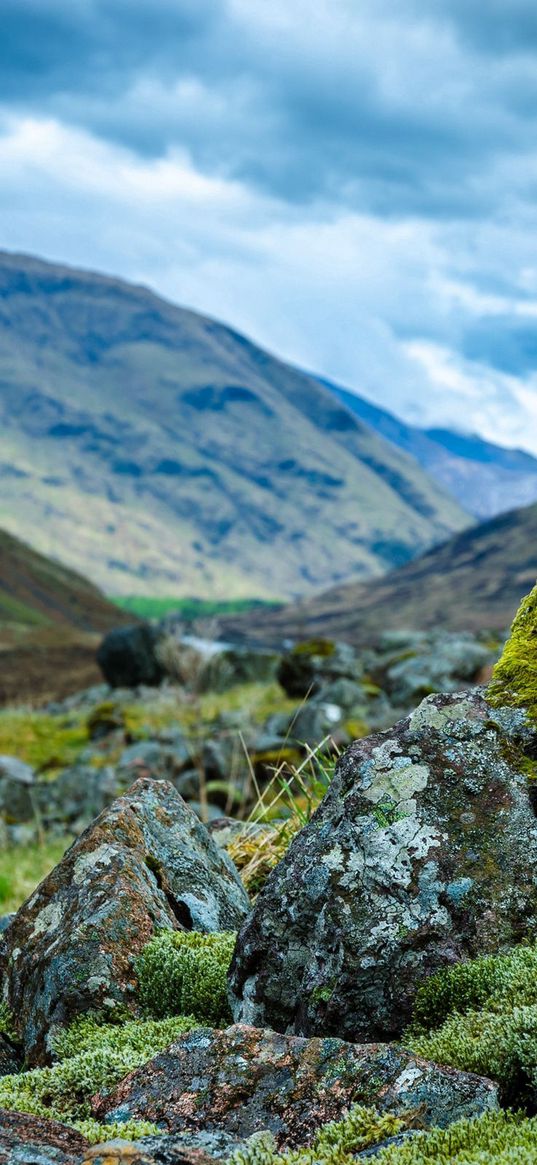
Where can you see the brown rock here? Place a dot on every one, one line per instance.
(146, 863)
(32, 1140)
(244, 1079)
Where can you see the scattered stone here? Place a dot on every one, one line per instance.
(17, 781)
(128, 656)
(422, 854)
(151, 1151)
(32, 1140)
(238, 665)
(309, 665)
(146, 863)
(243, 1080)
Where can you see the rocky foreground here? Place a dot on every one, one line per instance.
(375, 995)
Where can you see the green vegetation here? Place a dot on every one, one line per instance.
(186, 974)
(45, 742)
(497, 1138)
(188, 609)
(24, 866)
(92, 1056)
(482, 1017)
(514, 679)
(335, 1143)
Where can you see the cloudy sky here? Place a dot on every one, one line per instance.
(353, 183)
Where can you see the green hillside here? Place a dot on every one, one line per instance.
(161, 453)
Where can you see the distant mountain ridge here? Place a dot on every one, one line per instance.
(161, 453)
(486, 479)
(472, 582)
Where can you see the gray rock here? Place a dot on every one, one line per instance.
(146, 864)
(243, 1080)
(309, 665)
(423, 853)
(17, 782)
(238, 665)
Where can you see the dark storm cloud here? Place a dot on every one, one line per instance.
(272, 108)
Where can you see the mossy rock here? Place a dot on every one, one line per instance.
(514, 679)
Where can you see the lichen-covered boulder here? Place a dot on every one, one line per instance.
(32, 1140)
(180, 1149)
(423, 853)
(243, 1080)
(147, 863)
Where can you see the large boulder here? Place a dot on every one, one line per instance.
(243, 1080)
(128, 656)
(423, 853)
(147, 863)
(32, 1140)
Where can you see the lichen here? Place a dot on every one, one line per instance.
(183, 973)
(514, 679)
(335, 1143)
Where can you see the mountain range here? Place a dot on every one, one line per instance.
(161, 453)
(473, 582)
(486, 479)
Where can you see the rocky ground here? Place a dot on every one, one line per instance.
(297, 920)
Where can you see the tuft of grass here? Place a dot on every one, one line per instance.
(285, 806)
(23, 867)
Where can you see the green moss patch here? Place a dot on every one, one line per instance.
(514, 679)
(335, 1143)
(186, 974)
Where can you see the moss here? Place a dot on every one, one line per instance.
(7, 1026)
(97, 1134)
(497, 1138)
(514, 679)
(186, 974)
(482, 1017)
(92, 1056)
(323, 648)
(335, 1143)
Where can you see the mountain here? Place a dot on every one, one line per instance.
(485, 478)
(51, 621)
(473, 582)
(37, 592)
(161, 453)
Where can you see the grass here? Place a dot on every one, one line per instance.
(47, 743)
(189, 609)
(24, 866)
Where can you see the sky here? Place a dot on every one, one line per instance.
(352, 183)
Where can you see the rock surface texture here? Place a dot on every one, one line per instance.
(244, 1080)
(422, 854)
(31, 1140)
(147, 863)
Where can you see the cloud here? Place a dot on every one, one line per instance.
(353, 184)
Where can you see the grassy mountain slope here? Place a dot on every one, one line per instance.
(51, 621)
(161, 453)
(38, 592)
(474, 581)
(485, 478)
